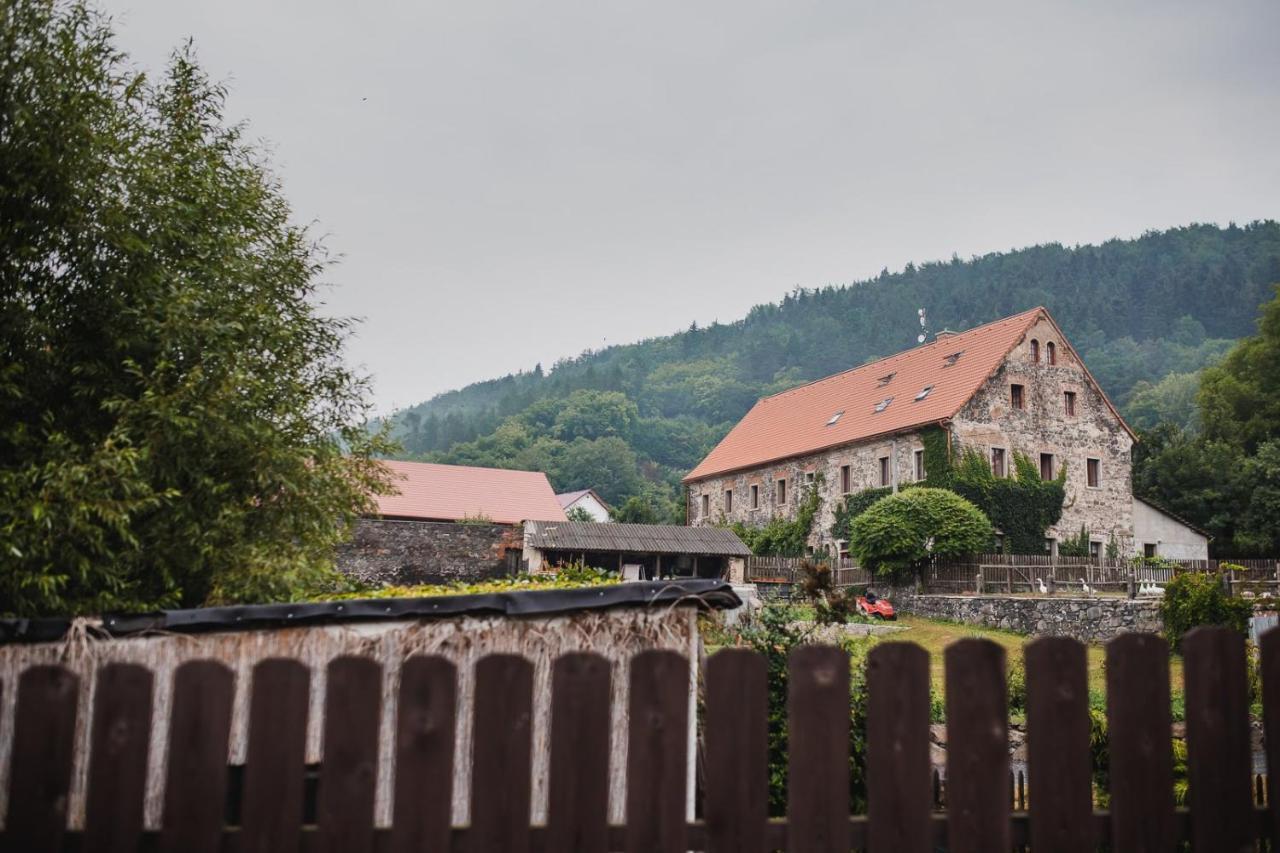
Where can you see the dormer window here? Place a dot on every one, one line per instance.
(952, 359)
(883, 404)
(885, 380)
(1052, 351)
(835, 418)
(1035, 351)
(924, 392)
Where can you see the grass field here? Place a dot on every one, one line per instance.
(935, 635)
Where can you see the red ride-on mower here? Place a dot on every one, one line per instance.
(876, 607)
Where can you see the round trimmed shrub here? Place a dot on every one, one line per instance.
(900, 532)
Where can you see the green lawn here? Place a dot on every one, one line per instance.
(935, 635)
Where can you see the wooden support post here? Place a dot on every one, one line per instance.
(978, 582)
(1133, 583)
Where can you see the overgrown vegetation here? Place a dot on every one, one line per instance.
(1198, 598)
(1021, 507)
(774, 634)
(177, 423)
(899, 533)
(831, 605)
(780, 536)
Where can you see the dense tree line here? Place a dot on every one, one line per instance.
(1147, 314)
(1220, 468)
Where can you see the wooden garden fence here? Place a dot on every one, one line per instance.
(272, 787)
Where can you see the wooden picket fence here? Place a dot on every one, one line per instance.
(900, 814)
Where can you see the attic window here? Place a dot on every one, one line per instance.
(835, 418)
(952, 359)
(885, 380)
(883, 404)
(924, 392)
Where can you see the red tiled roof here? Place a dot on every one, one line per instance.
(454, 492)
(796, 422)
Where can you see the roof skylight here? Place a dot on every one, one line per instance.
(885, 380)
(883, 404)
(835, 418)
(952, 359)
(924, 392)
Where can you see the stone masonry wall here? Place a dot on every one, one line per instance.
(382, 551)
(1090, 620)
(864, 473)
(989, 421)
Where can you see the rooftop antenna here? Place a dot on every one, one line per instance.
(924, 328)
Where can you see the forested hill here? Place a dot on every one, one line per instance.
(1138, 310)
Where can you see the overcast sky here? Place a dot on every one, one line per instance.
(511, 183)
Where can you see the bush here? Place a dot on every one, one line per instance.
(1197, 598)
(774, 634)
(901, 532)
(831, 606)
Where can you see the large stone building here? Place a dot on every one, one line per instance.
(1012, 386)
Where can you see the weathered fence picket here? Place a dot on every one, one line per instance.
(978, 805)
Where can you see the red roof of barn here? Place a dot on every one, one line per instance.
(803, 419)
(455, 492)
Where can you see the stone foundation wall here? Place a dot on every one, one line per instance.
(427, 552)
(1090, 620)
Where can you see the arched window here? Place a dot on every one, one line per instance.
(1035, 351)
(1053, 352)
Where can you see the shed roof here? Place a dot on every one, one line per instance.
(633, 538)
(433, 492)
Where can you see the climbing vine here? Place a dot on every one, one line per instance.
(1021, 507)
(937, 457)
(783, 537)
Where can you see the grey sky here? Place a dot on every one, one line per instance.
(517, 182)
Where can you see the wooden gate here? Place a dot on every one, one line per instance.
(271, 792)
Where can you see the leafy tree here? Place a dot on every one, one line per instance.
(901, 532)
(579, 513)
(1240, 398)
(1171, 400)
(176, 422)
(652, 505)
(607, 465)
(595, 414)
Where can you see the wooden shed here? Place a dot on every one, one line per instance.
(636, 551)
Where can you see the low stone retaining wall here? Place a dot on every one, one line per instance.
(1090, 620)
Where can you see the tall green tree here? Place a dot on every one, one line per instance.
(177, 424)
(1240, 398)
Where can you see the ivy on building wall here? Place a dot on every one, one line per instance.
(853, 506)
(784, 537)
(937, 457)
(1021, 507)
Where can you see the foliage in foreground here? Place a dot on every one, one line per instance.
(901, 532)
(774, 634)
(1197, 598)
(177, 425)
